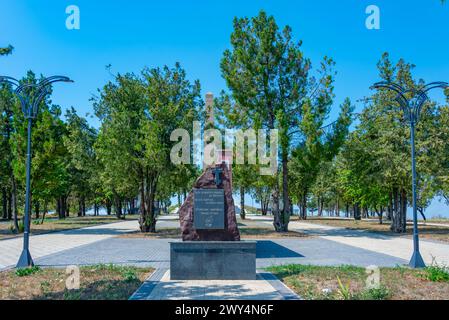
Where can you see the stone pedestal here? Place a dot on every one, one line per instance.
(213, 260)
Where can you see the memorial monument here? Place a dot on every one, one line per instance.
(208, 214)
(211, 248)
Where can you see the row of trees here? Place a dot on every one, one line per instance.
(271, 85)
(75, 166)
(373, 171)
(323, 166)
(138, 114)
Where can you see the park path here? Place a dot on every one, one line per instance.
(400, 247)
(46, 244)
(159, 286)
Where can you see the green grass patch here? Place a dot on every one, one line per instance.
(23, 272)
(350, 282)
(436, 273)
(98, 282)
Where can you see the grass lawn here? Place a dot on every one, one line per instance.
(439, 233)
(54, 224)
(400, 283)
(100, 282)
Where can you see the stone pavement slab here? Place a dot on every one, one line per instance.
(156, 253)
(160, 287)
(400, 247)
(54, 242)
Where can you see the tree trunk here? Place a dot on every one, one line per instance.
(118, 207)
(44, 213)
(421, 212)
(381, 215)
(275, 208)
(15, 211)
(58, 207)
(390, 207)
(108, 207)
(67, 205)
(133, 206)
(10, 202)
(337, 208)
(83, 203)
(303, 207)
(404, 209)
(36, 209)
(5, 203)
(264, 207)
(242, 203)
(357, 213)
(147, 220)
(61, 207)
(80, 208)
(320, 207)
(365, 213)
(286, 210)
(399, 218)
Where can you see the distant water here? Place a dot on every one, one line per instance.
(438, 208)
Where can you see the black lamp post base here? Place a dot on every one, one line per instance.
(417, 261)
(25, 260)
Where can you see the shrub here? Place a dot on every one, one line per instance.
(436, 273)
(380, 293)
(23, 272)
(129, 275)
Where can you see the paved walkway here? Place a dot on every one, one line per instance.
(265, 287)
(156, 253)
(51, 243)
(399, 247)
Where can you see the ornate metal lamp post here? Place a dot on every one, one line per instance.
(412, 110)
(30, 96)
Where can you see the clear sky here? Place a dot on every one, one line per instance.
(135, 33)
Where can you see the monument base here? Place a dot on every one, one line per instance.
(213, 260)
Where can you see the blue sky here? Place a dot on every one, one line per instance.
(135, 33)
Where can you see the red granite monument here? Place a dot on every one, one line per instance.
(210, 227)
(211, 248)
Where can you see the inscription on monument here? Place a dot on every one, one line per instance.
(208, 210)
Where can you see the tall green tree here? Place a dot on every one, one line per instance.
(79, 142)
(375, 167)
(268, 77)
(319, 144)
(138, 115)
(7, 180)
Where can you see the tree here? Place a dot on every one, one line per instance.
(374, 168)
(138, 115)
(79, 142)
(268, 77)
(316, 150)
(50, 177)
(7, 179)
